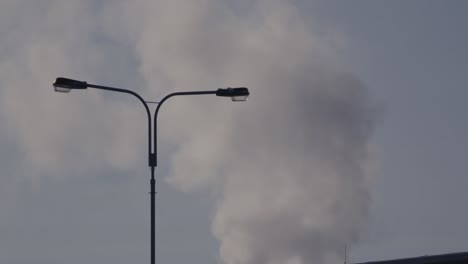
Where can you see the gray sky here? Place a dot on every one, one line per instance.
(359, 103)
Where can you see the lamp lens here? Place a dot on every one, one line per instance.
(61, 89)
(239, 98)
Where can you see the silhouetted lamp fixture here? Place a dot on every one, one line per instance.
(237, 94)
(65, 85)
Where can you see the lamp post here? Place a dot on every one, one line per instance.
(65, 85)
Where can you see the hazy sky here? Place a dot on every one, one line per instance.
(354, 132)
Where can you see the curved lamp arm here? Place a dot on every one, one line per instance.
(65, 85)
(155, 147)
(150, 155)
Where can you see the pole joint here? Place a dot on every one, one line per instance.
(152, 160)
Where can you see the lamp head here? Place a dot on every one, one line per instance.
(236, 94)
(65, 85)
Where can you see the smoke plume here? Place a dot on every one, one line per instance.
(290, 166)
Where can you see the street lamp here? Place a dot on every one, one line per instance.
(65, 85)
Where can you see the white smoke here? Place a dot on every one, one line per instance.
(290, 167)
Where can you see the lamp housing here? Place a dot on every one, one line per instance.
(65, 85)
(238, 94)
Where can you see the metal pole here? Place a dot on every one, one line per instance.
(153, 217)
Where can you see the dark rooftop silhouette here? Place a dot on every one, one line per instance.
(453, 258)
